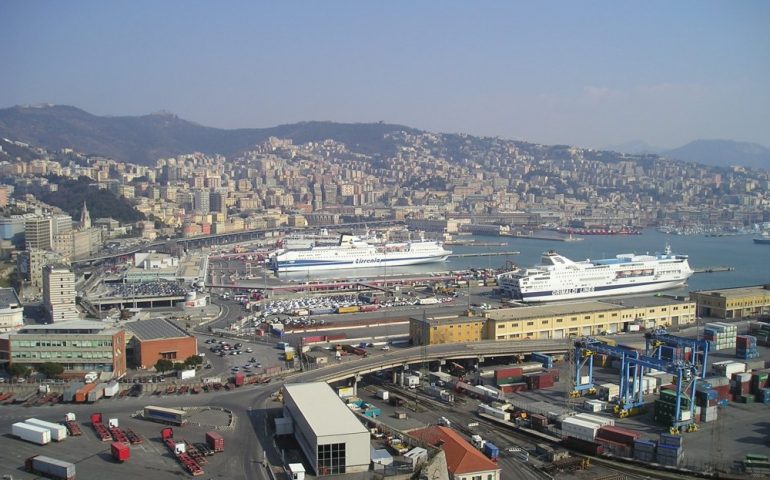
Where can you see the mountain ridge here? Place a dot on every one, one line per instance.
(145, 138)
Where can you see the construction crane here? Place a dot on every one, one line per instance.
(658, 338)
(585, 349)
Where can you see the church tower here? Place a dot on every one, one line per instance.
(85, 218)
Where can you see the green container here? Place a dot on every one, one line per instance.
(747, 399)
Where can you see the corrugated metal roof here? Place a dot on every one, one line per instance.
(155, 328)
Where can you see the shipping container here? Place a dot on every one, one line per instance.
(96, 393)
(491, 451)
(350, 309)
(111, 389)
(186, 374)
(31, 433)
(82, 394)
(50, 467)
(582, 429)
(618, 434)
(120, 451)
(168, 416)
(58, 432)
(583, 446)
(215, 441)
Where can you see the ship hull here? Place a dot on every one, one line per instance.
(598, 291)
(334, 264)
(762, 241)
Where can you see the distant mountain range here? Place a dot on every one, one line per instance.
(146, 138)
(719, 153)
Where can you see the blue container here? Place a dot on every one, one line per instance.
(491, 450)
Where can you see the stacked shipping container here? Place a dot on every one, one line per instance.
(746, 347)
(761, 331)
(720, 336)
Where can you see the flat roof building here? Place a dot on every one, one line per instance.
(736, 302)
(59, 293)
(157, 339)
(11, 310)
(80, 346)
(331, 436)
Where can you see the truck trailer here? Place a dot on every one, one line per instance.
(50, 467)
(169, 416)
(58, 432)
(31, 433)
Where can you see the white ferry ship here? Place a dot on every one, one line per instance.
(354, 252)
(559, 278)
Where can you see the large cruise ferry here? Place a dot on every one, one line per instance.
(559, 278)
(355, 252)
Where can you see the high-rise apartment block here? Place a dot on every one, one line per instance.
(59, 293)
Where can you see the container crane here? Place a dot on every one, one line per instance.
(660, 337)
(585, 349)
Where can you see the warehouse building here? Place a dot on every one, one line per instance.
(156, 339)
(332, 438)
(435, 330)
(556, 320)
(730, 303)
(80, 346)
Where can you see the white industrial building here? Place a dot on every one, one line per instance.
(331, 436)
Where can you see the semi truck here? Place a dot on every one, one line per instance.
(50, 467)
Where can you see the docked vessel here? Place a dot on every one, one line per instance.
(354, 252)
(559, 278)
(764, 239)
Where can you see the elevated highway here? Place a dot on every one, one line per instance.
(402, 357)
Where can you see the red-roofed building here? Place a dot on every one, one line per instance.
(464, 461)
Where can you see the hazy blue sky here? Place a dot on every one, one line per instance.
(588, 73)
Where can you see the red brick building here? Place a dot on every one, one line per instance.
(158, 339)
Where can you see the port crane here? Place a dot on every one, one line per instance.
(659, 338)
(585, 349)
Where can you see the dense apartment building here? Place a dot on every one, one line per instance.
(59, 293)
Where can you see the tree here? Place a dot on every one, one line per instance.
(50, 369)
(18, 370)
(164, 365)
(178, 366)
(193, 360)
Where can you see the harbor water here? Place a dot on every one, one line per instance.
(750, 261)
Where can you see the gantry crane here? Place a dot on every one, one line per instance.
(632, 400)
(585, 349)
(660, 337)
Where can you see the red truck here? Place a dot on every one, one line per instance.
(167, 434)
(101, 430)
(120, 451)
(215, 441)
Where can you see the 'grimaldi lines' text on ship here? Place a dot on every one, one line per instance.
(355, 252)
(559, 278)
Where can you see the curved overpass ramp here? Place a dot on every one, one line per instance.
(397, 358)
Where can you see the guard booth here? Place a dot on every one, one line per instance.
(296, 471)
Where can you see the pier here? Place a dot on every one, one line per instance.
(545, 237)
(483, 254)
(712, 269)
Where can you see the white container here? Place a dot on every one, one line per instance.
(186, 374)
(58, 432)
(494, 412)
(582, 429)
(180, 447)
(31, 433)
(383, 394)
(594, 405)
(599, 420)
(412, 380)
(111, 389)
